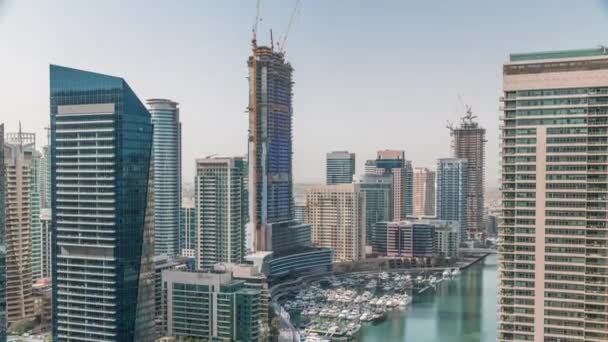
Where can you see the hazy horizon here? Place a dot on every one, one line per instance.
(367, 77)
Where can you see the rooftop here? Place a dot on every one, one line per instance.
(559, 54)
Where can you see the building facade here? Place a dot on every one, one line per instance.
(221, 204)
(340, 167)
(446, 237)
(18, 165)
(167, 157)
(393, 163)
(337, 215)
(424, 192)
(46, 259)
(552, 231)
(378, 193)
(452, 180)
(102, 209)
(468, 142)
(188, 230)
(410, 239)
(2, 240)
(210, 307)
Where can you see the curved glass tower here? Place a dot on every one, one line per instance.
(102, 209)
(166, 153)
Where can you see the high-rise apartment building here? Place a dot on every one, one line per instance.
(44, 174)
(452, 178)
(18, 164)
(210, 307)
(337, 215)
(553, 250)
(35, 206)
(188, 229)
(167, 157)
(340, 167)
(102, 209)
(424, 192)
(378, 193)
(394, 164)
(221, 204)
(2, 240)
(468, 142)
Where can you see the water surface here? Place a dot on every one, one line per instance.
(461, 310)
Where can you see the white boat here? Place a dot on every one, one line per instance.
(447, 273)
(456, 272)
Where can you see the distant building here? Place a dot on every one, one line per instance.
(452, 192)
(492, 224)
(406, 239)
(337, 215)
(468, 142)
(188, 230)
(18, 165)
(42, 292)
(221, 204)
(424, 192)
(446, 238)
(378, 193)
(370, 167)
(340, 167)
(300, 212)
(210, 307)
(46, 243)
(162, 263)
(393, 163)
(167, 156)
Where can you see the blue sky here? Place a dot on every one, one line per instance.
(368, 75)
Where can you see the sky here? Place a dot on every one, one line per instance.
(369, 75)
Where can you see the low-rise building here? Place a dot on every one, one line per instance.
(210, 307)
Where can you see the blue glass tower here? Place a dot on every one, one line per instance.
(102, 208)
(452, 192)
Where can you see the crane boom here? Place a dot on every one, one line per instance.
(283, 41)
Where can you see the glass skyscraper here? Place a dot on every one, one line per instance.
(102, 209)
(452, 192)
(167, 157)
(340, 167)
(188, 232)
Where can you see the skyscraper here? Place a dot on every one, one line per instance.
(452, 178)
(2, 240)
(46, 259)
(167, 156)
(221, 204)
(35, 205)
(424, 192)
(18, 163)
(468, 142)
(378, 193)
(553, 250)
(337, 215)
(271, 201)
(270, 144)
(102, 209)
(340, 167)
(188, 231)
(393, 163)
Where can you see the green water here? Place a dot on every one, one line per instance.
(461, 310)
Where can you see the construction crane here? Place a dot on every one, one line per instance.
(468, 117)
(281, 44)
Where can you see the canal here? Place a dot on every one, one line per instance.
(460, 310)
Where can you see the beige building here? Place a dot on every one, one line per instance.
(18, 167)
(553, 245)
(424, 192)
(337, 215)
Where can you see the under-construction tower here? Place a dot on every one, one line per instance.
(468, 142)
(270, 143)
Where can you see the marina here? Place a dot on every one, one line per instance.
(336, 308)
